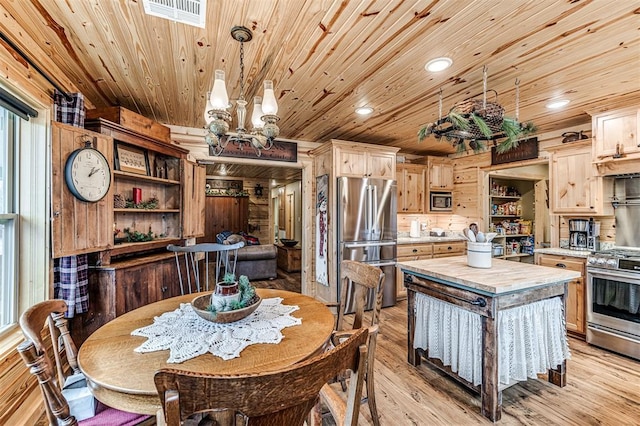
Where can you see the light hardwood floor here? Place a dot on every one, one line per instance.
(603, 388)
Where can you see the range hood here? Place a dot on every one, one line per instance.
(626, 202)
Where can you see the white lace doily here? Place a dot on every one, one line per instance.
(186, 335)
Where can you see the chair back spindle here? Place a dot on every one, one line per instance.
(225, 262)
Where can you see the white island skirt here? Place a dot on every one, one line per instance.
(531, 338)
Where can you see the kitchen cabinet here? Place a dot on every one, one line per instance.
(616, 134)
(575, 186)
(421, 251)
(78, 227)
(363, 160)
(411, 188)
(440, 173)
(575, 297)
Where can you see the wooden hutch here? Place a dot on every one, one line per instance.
(126, 275)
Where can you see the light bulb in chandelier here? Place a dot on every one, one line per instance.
(256, 116)
(269, 103)
(207, 109)
(219, 98)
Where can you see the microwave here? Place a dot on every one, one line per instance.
(440, 202)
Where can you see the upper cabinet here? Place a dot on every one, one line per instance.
(440, 174)
(364, 160)
(411, 188)
(575, 186)
(616, 135)
(78, 226)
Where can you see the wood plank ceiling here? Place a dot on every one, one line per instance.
(327, 57)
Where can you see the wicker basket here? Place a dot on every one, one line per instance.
(492, 114)
(119, 202)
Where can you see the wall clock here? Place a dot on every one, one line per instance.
(87, 174)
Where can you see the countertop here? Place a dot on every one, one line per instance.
(503, 277)
(427, 239)
(564, 252)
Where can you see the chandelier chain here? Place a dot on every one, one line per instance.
(241, 70)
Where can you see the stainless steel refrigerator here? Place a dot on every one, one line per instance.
(367, 230)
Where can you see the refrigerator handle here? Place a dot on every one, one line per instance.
(370, 244)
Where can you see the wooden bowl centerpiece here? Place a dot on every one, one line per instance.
(224, 309)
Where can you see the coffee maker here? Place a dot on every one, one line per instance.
(584, 234)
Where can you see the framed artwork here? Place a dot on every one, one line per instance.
(131, 159)
(322, 187)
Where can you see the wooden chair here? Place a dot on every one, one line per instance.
(283, 397)
(192, 254)
(53, 373)
(363, 280)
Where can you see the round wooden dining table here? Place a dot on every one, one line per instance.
(123, 379)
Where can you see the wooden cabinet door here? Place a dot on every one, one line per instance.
(135, 287)
(616, 133)
(193, 199)
(77, 226)
(575, 188)
(351, 163)
(440, 174)
(575, 303)
(570, 180)
(381, 165)
(411, 189)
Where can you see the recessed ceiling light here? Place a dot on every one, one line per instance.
(364, 110)
(438, 64)
(557, 104)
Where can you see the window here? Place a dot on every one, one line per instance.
(25, 147)
(8, 218)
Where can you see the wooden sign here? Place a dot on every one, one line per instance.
(527, 149)
(280, 151)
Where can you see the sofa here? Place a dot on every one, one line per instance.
(258, 262)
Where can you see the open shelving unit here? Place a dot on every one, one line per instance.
(511, 211)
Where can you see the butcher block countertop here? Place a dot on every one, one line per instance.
(503, 277)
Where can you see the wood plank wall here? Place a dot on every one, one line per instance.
(20, 400)
(259, 211)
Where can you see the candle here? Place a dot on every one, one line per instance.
(137, 195)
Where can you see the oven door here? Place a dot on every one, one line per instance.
(613, 300)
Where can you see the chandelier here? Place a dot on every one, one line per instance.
(263, 119)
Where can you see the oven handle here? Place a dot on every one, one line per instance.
(614, 274)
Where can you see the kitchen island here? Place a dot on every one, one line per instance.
(487, 328)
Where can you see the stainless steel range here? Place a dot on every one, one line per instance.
(613, 300)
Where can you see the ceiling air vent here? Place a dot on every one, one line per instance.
(190, 12)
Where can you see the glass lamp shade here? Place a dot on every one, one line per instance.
(256, 116)
(219, 98)
(269, 103)
(207, 116)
